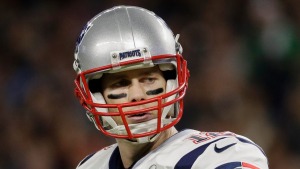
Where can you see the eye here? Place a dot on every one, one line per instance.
(120, 83)
(148, 80)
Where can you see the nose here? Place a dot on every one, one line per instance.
(136, 92)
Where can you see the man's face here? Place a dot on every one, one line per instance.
(132, 86)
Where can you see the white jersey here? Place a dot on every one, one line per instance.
(188, 149)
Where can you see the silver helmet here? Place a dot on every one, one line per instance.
(125, 38)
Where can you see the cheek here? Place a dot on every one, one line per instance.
(117, 119)
(163, 85)
(157, 90)
(115, 97)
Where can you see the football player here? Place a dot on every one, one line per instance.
(131, 79)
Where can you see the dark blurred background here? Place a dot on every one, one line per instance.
(244, 59)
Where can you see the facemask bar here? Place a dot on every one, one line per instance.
(161, 124)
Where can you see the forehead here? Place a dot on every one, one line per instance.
(132, 73)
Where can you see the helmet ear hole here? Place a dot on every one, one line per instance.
(169, 74)
(95, 85)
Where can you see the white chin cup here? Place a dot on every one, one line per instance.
(140, 128)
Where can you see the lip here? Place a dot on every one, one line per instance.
(139, 118)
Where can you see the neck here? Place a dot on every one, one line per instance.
(131, 152)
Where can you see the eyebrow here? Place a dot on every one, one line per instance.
(123, 76)
(149, 72)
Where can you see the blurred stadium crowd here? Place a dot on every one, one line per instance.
(244, 59)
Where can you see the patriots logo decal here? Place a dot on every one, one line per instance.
(128, 54)
(80, 37)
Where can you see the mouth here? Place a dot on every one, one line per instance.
(139, 118)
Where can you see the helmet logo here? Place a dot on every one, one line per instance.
(128, 54)
(122, 56)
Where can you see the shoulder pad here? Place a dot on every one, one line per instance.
(85, 159)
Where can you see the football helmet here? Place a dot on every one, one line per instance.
(126, 38)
